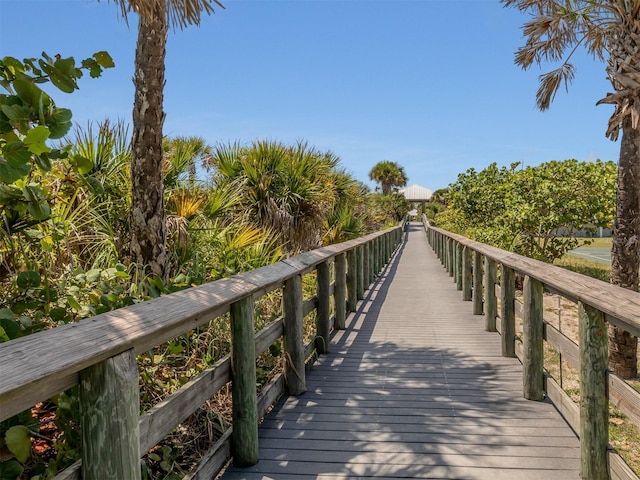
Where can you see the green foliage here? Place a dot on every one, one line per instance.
(534, 211)
(388, 209)
(28, 119)
(291, 190)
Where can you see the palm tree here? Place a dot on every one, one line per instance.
(607, 29)
(147, 215)
(287, 189)
(389, 175)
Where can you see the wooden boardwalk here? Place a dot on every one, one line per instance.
(414, 388)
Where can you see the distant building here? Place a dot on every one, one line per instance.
(416, 193)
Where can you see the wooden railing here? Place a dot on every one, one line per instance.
(474, 267)
(99, 355)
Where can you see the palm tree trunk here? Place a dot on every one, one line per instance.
(625, 247)
(147, 216)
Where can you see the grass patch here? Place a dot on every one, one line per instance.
(604, 242)
(601, 271)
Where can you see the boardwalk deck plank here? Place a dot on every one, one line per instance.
(414, 388)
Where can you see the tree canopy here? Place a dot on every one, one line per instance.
(389, 175)
(534, 211)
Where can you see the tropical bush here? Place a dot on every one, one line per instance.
(534, 211)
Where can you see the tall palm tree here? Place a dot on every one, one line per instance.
(147, 215)
(389, 175)
(608, 29)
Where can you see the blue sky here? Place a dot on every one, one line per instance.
(429, 84)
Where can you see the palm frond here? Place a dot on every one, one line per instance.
(180, 13)
(550, 83)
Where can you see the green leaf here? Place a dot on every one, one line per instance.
(36, 138)
(37, 206)
(18, 115)
(104, 59)
(30, 93)
(16, 153)
(94, 275)
(10, 174)
(94, 185)
(11, 328)
(73, 303)
(81, 164)
(28, 279)
(18, 442)
(10, 470)
(59, 122)
(57, 314)
(43, 161)
(9, 194)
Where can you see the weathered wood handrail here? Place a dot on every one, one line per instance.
(598, 302)
(97, 354)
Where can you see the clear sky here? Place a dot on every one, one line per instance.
(429, 84)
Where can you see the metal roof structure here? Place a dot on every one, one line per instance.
(416, 193)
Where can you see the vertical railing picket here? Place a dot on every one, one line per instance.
(323, 315)
(109, 416)
(491, 301)
(244, 441)
(508, 311)
(594, 405)
(360, 272)
(294, 373)
(340, 292)
(352, 280)
(366, 265)
(476, 295)
(532, 358)
(467, 274)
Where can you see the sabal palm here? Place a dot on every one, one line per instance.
(608, 29)
(286, 189)
(148, 217)
(389, 175)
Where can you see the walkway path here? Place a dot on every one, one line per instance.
(414, 388)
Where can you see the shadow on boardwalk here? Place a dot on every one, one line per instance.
(414, 388)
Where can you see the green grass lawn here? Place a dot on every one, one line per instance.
(595, 242)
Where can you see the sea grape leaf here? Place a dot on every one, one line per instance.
(18, 442)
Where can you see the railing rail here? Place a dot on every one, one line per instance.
(474, 268)
(98, 354)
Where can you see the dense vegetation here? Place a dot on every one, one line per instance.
(65, 198)
(534, 211)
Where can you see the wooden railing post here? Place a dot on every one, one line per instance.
(378, 255)
(323, 316)
(452, 257)
(594, 407)
(508, 311)
(109, 416)
(244, 440)
(476, 295)
(352, 280)
(360, 272)
(340, 292)
(294, 373)
(532, 364)
(491, 301)
(372, 262)
(467, 274)
(385, 243)
(458, 273)
(366, 266)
